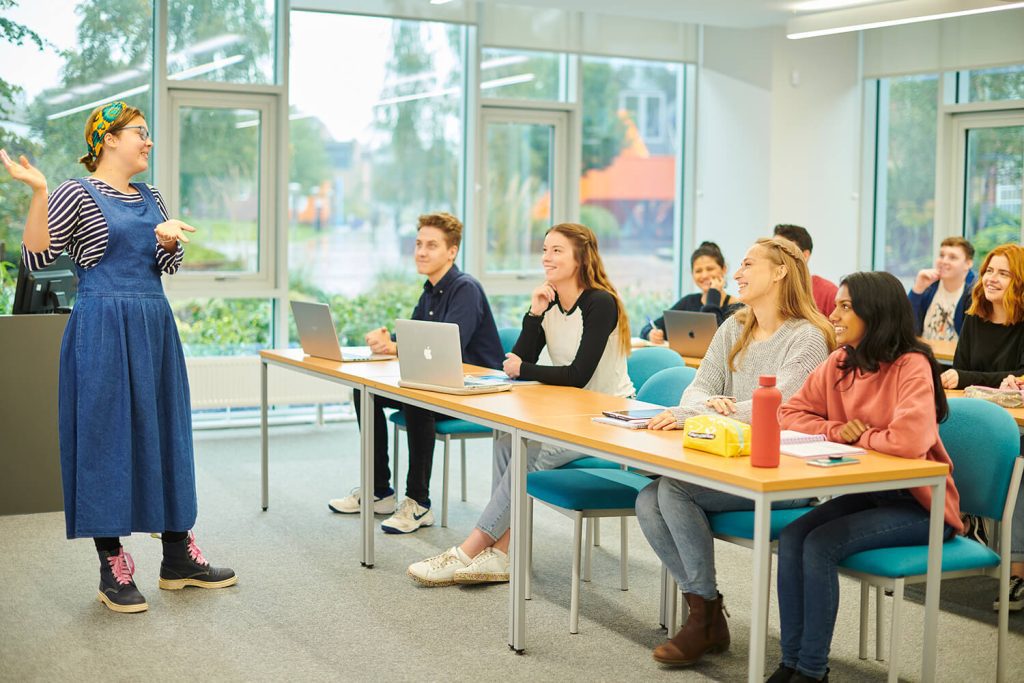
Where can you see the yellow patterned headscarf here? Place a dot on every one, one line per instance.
(102, 124)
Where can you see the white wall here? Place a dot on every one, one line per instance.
(769, 151)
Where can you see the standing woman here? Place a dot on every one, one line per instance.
(127, 465)
(707, 268)
(577, 314)
(881, 391)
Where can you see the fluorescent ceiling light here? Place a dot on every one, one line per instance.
(889, 14)
(92, 105)
(439, 2)
(509, 80)
(206, 68)
(503, 61)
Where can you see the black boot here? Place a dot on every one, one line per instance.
(117, 588)
(184, 565)
(799, 677)
(782, 675)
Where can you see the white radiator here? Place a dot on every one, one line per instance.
(234, 382)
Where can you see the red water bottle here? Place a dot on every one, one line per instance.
(764, 423)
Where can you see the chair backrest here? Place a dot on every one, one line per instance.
(666, 386)
(643, 363)
(508, 337)
(983, 441)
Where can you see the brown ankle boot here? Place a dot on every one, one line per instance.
(705, 631)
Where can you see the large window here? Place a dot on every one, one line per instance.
(629, 185)
(375, 142)
(229, 41)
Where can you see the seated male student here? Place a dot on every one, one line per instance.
(942, 294)
(449, 296)
(823, 290)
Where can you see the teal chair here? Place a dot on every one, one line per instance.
(448, 430)
(592, 493)
(987, 472)
(643, 363)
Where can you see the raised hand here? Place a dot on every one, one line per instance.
(24, 172)
(924, 278)
(172, 231)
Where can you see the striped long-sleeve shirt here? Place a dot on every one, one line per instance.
(78, 227)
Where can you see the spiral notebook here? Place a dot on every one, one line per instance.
(800, 445)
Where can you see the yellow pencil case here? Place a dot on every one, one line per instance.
(717, 434)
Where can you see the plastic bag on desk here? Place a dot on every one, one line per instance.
(717, 434)
(1007, 398)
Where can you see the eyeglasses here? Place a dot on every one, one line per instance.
(143, 131)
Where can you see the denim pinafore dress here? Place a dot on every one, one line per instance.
(125, 420)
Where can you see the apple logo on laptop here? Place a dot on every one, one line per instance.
(692, 335)
(427, 353)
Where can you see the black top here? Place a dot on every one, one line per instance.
(987, 352)
(596, 311)
(691, 302)
(459, 298)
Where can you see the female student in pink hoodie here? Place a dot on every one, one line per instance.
(880, 390)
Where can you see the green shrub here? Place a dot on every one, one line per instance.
(8, 281)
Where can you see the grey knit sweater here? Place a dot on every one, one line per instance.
(790, 354)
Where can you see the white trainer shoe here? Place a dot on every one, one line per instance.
(490, 566)
(439, 570)
(409, 517)
(349, 505)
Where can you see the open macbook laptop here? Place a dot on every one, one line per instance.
(689, 333)
(430, 357)
(318, 338)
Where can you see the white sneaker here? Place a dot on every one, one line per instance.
(490, 566)
(349, 505)
(409, 517)
(439, 570)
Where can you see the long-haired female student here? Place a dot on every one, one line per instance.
(781, 333)
(127, 464)
(707, 268)
(577, 314)
(881, 391)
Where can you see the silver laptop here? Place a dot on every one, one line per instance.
(430, 357)
(318, 338)
(689, 333)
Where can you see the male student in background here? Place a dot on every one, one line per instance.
(941, 294)
(449, 296)
(824, 291)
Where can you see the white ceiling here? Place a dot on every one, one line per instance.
(730, 13)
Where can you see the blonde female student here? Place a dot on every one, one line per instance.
(578, 316)
(881, 391)
(781, 333)
(127, 464)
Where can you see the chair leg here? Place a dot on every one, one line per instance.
(862, 642)
(895, 628)
(463, 470)
(574, 597)
(880, 623)
(586, 549)
(444, 481)
(527, 583)
(394, 462)
(663, 596)
(596, 521)
(671, 607)
(623, 554)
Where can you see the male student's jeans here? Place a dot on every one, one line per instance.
(672, 515)
(810, 549)
(419, 426)
(494, 520)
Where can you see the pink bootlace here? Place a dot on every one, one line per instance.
(193, 550)
(122, 566)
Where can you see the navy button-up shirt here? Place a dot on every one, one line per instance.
(459, 298)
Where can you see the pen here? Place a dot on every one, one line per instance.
(651, 323)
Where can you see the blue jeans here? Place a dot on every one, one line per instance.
(810, 549)
(672, 515)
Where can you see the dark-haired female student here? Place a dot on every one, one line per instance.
(881, 391)
(127, 465)
(707, 267)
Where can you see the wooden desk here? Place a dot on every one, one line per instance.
(943, 350)
(561, 416)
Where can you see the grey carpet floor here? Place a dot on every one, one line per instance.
(304, 609)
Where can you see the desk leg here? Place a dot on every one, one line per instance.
(264, 440)
(934, 581)
(366, 474)
(759, 604)
(517, 594)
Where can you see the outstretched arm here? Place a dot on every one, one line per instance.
(37, 233)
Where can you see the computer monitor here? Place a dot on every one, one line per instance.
(48, 290)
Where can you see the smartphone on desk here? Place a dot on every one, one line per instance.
(832, 462)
